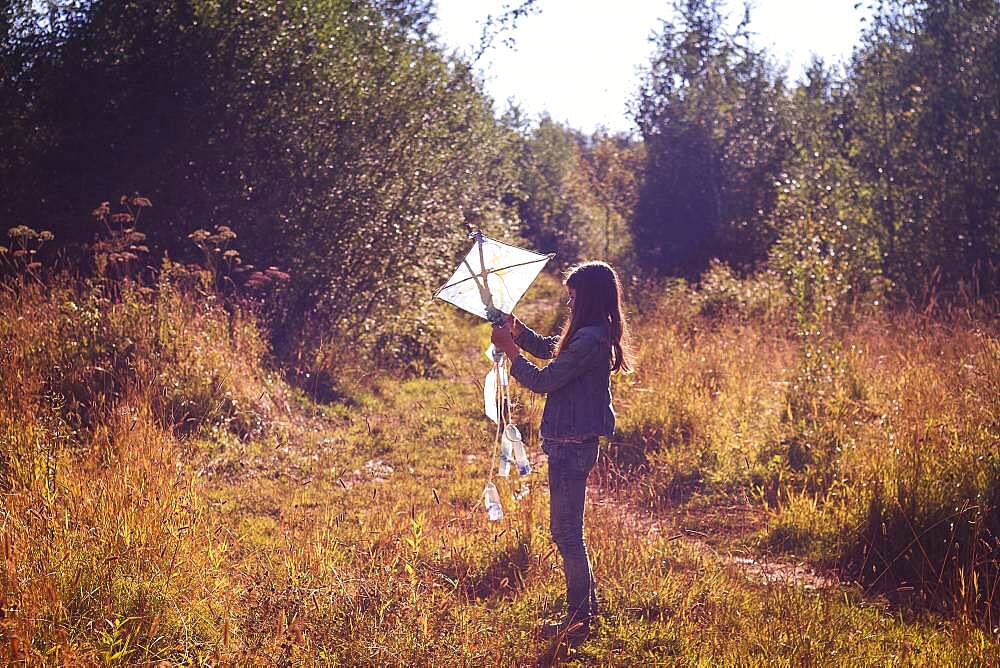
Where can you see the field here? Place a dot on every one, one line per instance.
(167, 496)
(236, 429)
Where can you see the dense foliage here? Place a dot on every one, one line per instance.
(711, 113)
(341, 143)
(888, 169)
(334, 137)
(923, 120)
(553, 201)
(575, 194)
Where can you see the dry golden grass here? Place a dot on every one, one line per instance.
(353, 533)
(875, 450)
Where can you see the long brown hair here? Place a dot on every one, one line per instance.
(598, 302)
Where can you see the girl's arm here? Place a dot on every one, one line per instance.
(542, 347)
(583, 352)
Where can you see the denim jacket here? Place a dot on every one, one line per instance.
(577, 382)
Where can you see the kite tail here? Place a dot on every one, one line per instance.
(498, 398)
(490, 495)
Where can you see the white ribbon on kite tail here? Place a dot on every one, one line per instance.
(493, 397)
(496, 380)
(496, 397)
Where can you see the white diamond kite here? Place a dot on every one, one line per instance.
(492, 277)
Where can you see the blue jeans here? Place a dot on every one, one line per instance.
(569, 466)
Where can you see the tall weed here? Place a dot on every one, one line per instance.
(869, 435)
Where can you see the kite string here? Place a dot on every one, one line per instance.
(506, 389)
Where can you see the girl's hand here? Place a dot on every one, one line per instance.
(514, 325)
(504, 341)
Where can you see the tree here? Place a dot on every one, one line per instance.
(333, 136)
(555, 203)
(925, 133)
(711, 115)
(613, 167)
(826, 250)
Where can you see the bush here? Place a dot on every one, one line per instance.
(349, 152)
(721, 294)
(194, 363)
(923, 548)
(873, 447)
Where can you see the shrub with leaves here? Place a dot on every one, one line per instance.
(722, 294)
(191, 357)
(338, 138)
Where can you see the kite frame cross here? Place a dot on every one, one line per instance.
(481, 277)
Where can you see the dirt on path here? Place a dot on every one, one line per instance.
(724, 533)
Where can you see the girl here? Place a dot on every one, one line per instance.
(578, 410)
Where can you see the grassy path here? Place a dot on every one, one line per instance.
(357, 536)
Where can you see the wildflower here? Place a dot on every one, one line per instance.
(224, 233)
(22, 231)
(257, 280)
(199, 236)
